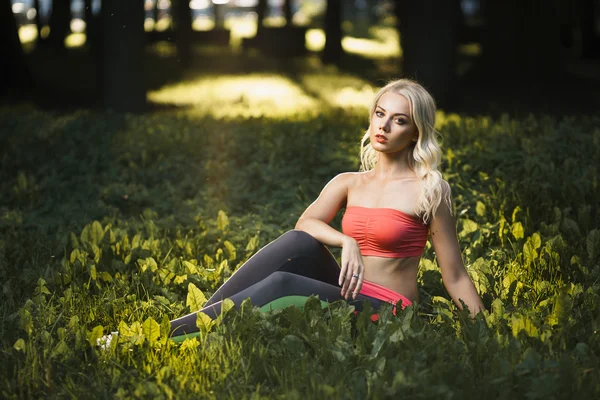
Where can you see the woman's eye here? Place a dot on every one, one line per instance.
(379, 113)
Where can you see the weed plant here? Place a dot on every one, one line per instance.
(120, 222)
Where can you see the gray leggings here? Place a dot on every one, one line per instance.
(293, 264)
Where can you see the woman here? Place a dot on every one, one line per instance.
(392, 206)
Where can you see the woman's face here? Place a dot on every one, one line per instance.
(392, 127)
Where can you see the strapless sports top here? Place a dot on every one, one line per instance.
(385, 232)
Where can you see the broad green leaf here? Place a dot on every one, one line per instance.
(204, 322)
(517, 230)
(230, 250)
(252, 243)
(524, 324)
(191, 268)
(19, 345)
(95, 334)
(195, 298)
(571, 228)
(92, 271)
(179, 279)
(480, 209)
(515, 214)
(96, 232)
(222, 220)
(227, 305)
(151, 329)
(468, 226)
(593, 245)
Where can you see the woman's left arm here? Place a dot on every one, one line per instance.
(457, 281)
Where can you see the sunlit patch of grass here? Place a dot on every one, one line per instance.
(203, 23)
(385, 43)
(232, 96)
(274, 21)
(75, 40)
(339, 90)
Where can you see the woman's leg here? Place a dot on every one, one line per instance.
(277, 285)
(295, 251)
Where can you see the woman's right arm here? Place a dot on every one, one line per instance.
(316, 218)
(315, 221)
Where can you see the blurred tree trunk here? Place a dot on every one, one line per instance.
(261, 10)
(91, 25)
(182, 25)
(521, 39)
(333, 51)
(590, 43)
(287, 12)
(38, 20)
(123, 85)
(14, 72)
(60, 24)
(429, 37)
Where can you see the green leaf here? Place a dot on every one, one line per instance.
(524, 324)
(230, 250)
(195, 298)
(480, 209)
(179, 279)
(571, 228)
(204, 322)
(468, 226)
(191, 268)
(252, 243)
(517, 230)
(515, 214)
(19, 345)
(151, 330)
(227, 305)
(96, 232)
(593, 245)
(222, 220)
(95, 334)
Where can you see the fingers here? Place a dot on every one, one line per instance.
(352, 283)
(358, 286)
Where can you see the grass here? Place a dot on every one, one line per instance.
(110, 221)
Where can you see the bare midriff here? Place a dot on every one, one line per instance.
(397, 274)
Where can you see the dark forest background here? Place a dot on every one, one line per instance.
(528, 55)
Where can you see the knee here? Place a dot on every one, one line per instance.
(279, 280)
(301, 239)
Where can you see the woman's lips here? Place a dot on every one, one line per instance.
(380, 138)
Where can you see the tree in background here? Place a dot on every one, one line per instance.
(182, 25)
(521, 39)
(60, 24)
(14, 72)
(122, 68)
(429, 38)
(333, 51)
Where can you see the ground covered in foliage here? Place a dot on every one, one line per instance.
(121, 222)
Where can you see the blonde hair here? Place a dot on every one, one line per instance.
(424, 156)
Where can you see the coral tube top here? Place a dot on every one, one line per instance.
(385, 232)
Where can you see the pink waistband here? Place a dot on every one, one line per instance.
(382, 293)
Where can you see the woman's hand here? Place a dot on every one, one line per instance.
(352, 269)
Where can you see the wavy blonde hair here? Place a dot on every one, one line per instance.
(424, 156)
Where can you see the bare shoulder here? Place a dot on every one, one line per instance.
(347, 178)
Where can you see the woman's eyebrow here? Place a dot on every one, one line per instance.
(393, 114)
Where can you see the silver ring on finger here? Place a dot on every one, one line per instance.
(355, 276)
